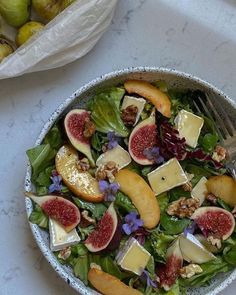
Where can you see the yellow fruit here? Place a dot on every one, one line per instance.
(141, 195)
(5, 48)
(108, 284)
(27, 31)
(160, 100)
(82, 184)
(223, 187)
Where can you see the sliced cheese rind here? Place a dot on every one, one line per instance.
(189, 127)
(118, 155)
(200, 190)
(59, 238)
(167, 176)
(133, 257)
(136, 101)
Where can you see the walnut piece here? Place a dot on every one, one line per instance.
(64, 253)
(214, 241)
(107, 171)
(86, 220)
(89, 128)
(83, 165)
(211, 198)
(183, 207)
(190, 270)
(187, 187)
(129, 115)
(219, 153)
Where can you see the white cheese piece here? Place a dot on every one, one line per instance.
(200, 190)
(167, 176)
(189, 127)
(118, 155)
(136, 101)
(59, 238)
(133, 257)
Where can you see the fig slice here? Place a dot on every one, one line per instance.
(103, 234)
(59, 209)
(82, 184)
(193, 251)
(160, 100)
(143, 137)
(214, 221)
(141, 195)
(169, 272)
(108, 284)
(74, 124)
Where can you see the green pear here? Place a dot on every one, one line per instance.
(5, 48)
(27, 31)
(15, 12)
(48, 9)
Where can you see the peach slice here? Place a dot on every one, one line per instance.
(160, 100)
(82, 184)
(223, 187)
(142, 196)
(108, 284)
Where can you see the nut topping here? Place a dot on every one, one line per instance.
(214, 241)
(219, 153)
(64, 253)
(107, 171)
(89, 128)
(83, 165)
(187, 187)
(211, 198)
(183, 207)
(129, 115)
(190, 270)
(86, 220)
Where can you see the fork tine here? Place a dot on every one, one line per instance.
(228, 124)
(210, 116)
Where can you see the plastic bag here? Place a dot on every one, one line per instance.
(66, 38)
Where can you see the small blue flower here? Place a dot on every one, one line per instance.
(113, 140)
(190, 229)
(56, 185)
(154, 154)
(146, 276)
(109, 190)
(132, 224)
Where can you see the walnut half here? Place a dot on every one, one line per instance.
(183, 207)
(190, 270)
(129, 115)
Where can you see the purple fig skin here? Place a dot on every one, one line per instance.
(115, 242)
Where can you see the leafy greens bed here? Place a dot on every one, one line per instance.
(134, 193)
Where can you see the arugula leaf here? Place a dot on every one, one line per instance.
(163, 201)
(177, 193)
(110, 266)
(39, 217)
(78, 250)
(85, 231)
(222, 204)
(98, 140)
(151, 267)
(172, 225)
(208, 142)
(210, 269)
(124, 203)
(54, 137)
(160, 242)
(97, 209)
(81, 268)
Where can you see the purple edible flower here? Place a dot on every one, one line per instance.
(109, 190)
(190, 229)
(112, 140)
(154, 154)
(132, 223)
(56, 185)
(146, 276)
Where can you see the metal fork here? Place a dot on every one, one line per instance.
(224, 127)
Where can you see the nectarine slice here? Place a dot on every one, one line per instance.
(223, 187)
(108, 284)
(160, 100)
(82, 184)
(142, 196)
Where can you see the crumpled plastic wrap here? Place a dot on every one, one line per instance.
(69, 36)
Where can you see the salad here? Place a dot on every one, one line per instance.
(134, 192)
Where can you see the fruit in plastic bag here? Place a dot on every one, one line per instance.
(15, 12)
(48, 9)
(27, 31)
(5, 48)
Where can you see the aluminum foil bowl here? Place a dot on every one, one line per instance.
(174, 79)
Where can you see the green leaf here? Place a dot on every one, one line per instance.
(78, 250)
(85, 231)
(38, 217)
(172, 225)
(116, 94)
(177, 193)
(222, 204)
(163, 201)
(54, 137)
(151, 267)
(97, 209)
(208, 142)
(230, 256)
(123, 202)
(43, 178)
(98, 140)
(210, 269)
(160, 242)
(81, 268)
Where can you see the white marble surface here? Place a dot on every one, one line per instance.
(193, 36)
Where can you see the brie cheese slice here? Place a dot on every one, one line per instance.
(200, 190)
(59, 238)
